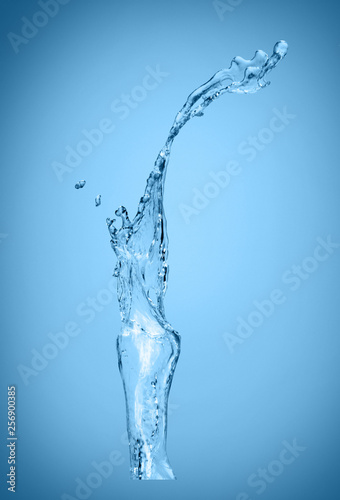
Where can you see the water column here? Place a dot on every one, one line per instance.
(148, 346)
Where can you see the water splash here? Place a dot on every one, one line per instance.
(148, 347)
(98, 200)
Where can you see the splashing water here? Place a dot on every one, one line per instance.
(148, 347)
(98, 200)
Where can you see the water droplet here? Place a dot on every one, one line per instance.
(98, 200)
(80, 184)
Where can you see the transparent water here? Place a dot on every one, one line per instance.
(148, 346)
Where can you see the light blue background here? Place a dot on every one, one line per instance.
(230, 412)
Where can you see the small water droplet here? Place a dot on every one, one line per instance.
(98, 200)
(80, 184)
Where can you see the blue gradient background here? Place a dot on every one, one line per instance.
(230, 412)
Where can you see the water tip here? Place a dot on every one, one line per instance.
(281, 48)
(120, 211)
